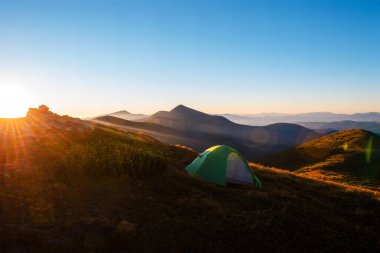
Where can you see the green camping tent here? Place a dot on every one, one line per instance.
(221, 165)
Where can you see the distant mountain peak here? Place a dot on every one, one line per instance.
(122, 111)
(180, 107)
(127, 115)
(184, 109)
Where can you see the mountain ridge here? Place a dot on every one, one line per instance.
(124, 114)
(345, 125)
(265, 119)
(200, 130)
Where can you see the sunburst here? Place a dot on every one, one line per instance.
(14, 101)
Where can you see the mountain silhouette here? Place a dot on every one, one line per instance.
(187, 119)
(127, 115)
(198, 130)
(123, 114)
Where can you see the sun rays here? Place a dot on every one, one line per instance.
(23, 141)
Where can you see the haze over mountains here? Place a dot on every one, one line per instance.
(198, 130)
(127, 115)
(344, 125)
(122, 115)
(321, 122)
(270, 118)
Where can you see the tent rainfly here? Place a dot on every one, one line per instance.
(221, 165)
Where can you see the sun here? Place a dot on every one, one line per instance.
(14, 101)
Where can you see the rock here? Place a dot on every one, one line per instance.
(43, 108)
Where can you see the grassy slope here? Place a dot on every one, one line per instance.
(351, 156)
(80, 193)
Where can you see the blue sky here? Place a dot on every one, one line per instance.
(89, 57)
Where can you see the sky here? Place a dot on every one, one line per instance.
(89, 57)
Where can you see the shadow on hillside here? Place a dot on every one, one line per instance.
(167, 212)
(104, 190)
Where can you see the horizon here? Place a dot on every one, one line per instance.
(87, 58)
(248, 121)
(210, 113)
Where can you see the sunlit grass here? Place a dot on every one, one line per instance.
(351, 157)
(316, 177)
(104, 190)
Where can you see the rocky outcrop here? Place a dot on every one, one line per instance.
(45, 119)
(42, 113)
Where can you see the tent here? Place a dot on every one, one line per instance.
(221, 165)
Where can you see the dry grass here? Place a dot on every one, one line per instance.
(351, 157)
(171, 211)
(315, 177)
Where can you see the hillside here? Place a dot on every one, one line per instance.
(200, 130)
(92, 188)
(347, 156)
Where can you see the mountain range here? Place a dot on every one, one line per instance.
(344, 125)
(122, 115)
(321, 122)
(127, 115)
(198, 130)
(271, 118)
